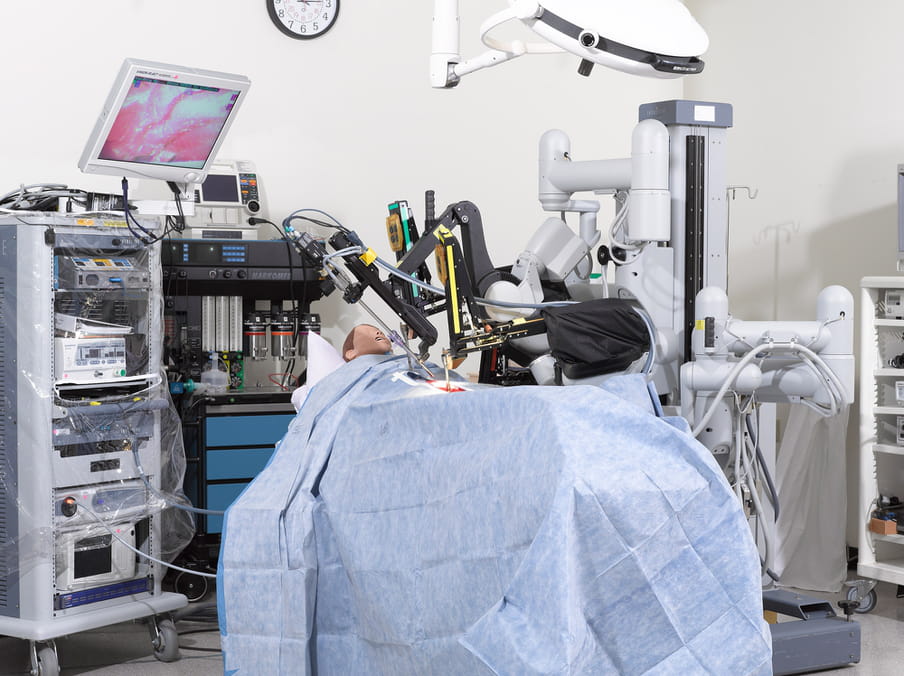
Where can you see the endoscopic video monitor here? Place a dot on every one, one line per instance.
(163, 122)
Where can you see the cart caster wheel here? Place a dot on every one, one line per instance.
(867, 603)
(45, 661)
(193, 587)
(166, 643)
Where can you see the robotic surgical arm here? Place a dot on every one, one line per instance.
(780, 361)
(555, 253)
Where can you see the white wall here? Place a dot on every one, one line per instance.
(346, 123)
(818, 103)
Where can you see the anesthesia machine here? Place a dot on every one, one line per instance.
(236, 317)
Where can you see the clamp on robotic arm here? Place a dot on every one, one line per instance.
(359, 261)
(468, 275)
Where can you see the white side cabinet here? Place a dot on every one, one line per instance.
(881, 554)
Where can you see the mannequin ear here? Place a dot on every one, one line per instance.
(350, 354)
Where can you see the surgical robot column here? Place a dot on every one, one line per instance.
(668, 244)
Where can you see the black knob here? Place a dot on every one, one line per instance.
(848, 607)
(253, 206)
(603, 255)
(241, 274)
(68, 506)
(227, 274)
(183, 273)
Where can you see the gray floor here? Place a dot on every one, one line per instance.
(125, 649)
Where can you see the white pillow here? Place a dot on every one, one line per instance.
(323, 359)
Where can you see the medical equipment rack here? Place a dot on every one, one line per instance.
(80, 439)
(881, 540)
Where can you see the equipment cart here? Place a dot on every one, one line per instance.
(83, 468)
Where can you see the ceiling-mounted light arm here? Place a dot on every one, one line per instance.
(653, 38)
(524, 10)
(446, 66)
(446, 33)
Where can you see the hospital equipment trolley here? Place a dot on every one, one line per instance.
(880, 513)
(80, 432)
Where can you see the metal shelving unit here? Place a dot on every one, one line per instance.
(881, 556)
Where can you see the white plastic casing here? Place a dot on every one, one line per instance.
(557, 248)
(649, 202)
(658, 26)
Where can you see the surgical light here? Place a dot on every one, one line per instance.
(652, 38)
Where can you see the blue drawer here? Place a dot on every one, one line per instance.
(246, 430)
(236, 463)
(219, 497)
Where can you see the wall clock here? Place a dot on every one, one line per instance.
(303, 19)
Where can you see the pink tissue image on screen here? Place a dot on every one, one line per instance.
(165, 123)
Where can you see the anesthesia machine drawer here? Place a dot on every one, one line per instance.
(219, 497)
(246, 430)
(236, 463)
(237, 447)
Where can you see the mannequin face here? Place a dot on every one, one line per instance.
(365, 339)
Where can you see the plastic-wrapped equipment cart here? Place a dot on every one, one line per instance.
(89, 461)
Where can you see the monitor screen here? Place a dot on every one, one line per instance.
(221, 188)
(162, 121)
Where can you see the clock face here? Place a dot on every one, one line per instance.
(303, 19)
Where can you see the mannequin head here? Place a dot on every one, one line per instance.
(365, 339)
